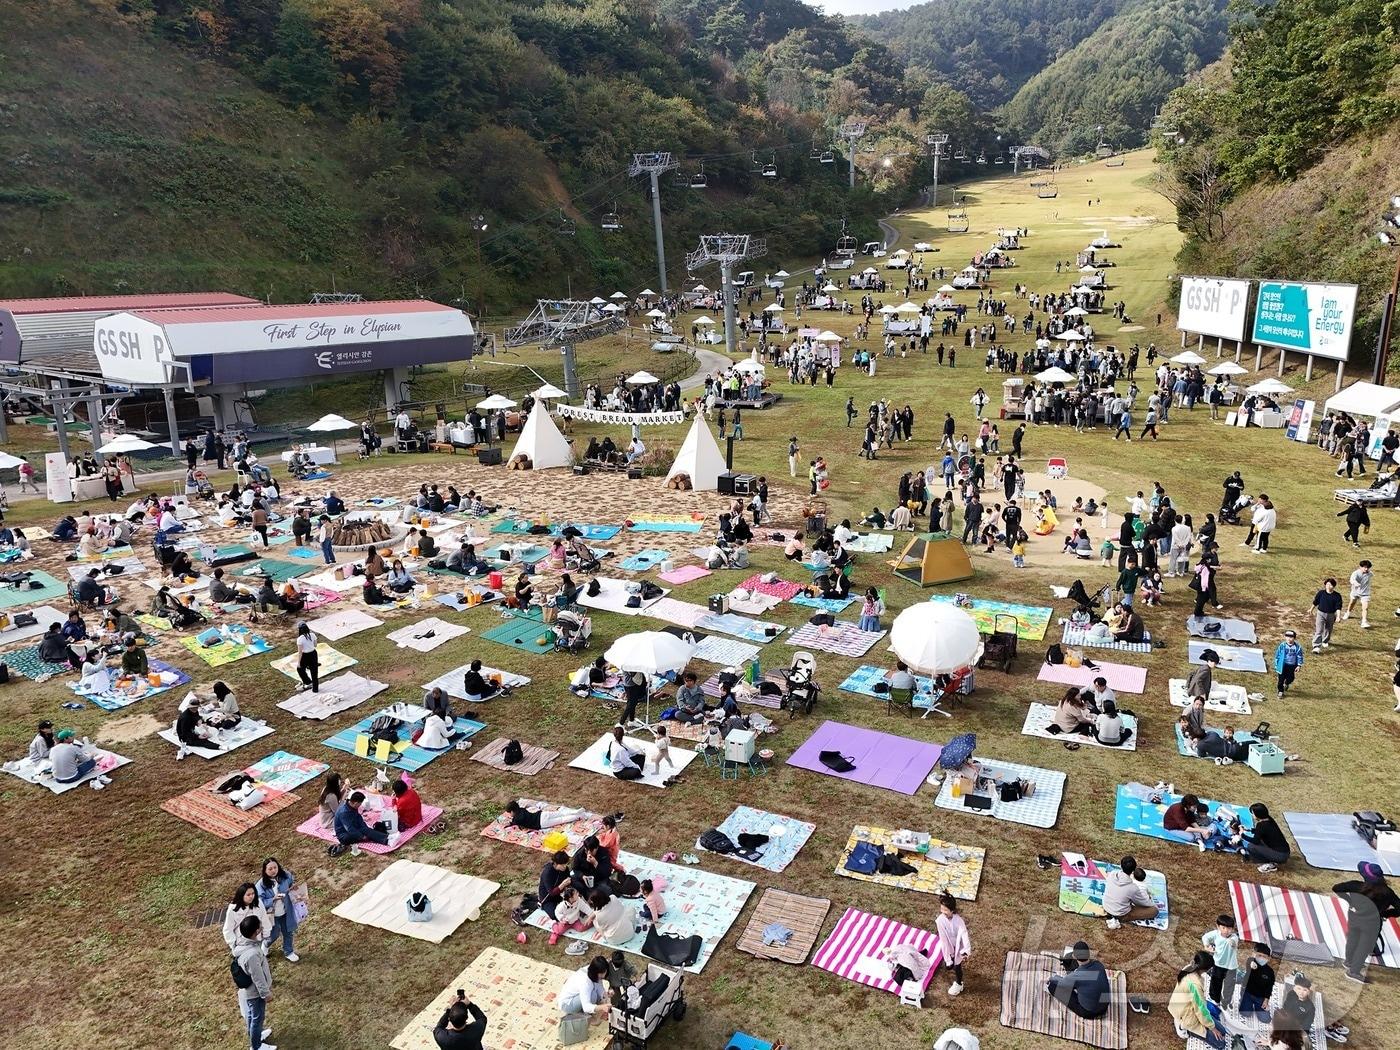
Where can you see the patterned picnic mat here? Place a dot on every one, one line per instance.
(536, 759)
(205, 808)
(959, 878)
(1025, 1004)
(586, 824)
(786, 836)
(730, 652)
(1032, 621)
(224, 651)
(1081, 893)
(25, 662)
(841, 639)
(741, 627)
(802, 915)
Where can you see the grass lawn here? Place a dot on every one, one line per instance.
(103, 885)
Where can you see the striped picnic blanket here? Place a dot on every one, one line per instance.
(1079, 636)
(852, 950)
(1025, 1004)
(1272, 914)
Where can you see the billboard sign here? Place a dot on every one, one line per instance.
(1312, 319)
(1213, 306)
(132, 350)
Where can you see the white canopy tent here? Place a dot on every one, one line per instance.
(1071, 336)
(641, 379)
(750, 366)
(659, 315)
(703, 320)
(773, 308)
(132, 443)
(1229, 368)
(618, 295)
(699, 458)
(1054, 375)
(612, 308)
(1365, 399)
(547, 392)
(1188, 357)
(542, 442)
(827, 337)
(1269, 386)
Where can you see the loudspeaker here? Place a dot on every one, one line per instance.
(580, 469)
(634, 473)
(489, 457)
(726, 483)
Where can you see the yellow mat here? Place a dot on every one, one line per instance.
(959, 879)
(519, 997)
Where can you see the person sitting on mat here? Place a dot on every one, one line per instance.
(399, 580)
(592, 864)
(572, 912)
(1072, 715)
(1224, 749)
(1101, 694)
(524, 589)
(554, 879)
(437, 733)
(351, 829)
(1189, 1006)
(613, 917)
(625, 763)
(54, 648)
(1109, 729)
(1083, 988)
(1125, 625)
(690, 700)
(1264, 842)
(438, 703)
(1126, 897)
(475, 685)
(408, 805)
(220, 593)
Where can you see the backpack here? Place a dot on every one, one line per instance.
(593, 588)
(522, 911)
(1055, 654)
(384, 728)
(716, 841)
(241, 980)
(513, 753)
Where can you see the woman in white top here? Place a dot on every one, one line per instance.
(245, 902)
(96, 678)
(1179, 557)
(1264, 519)
(1108, 726)
(308, 663)
(586, 993)
(621, 756)
(436, 735)
(613, 917)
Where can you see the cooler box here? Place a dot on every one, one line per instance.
(739, 745)
(1265, 759)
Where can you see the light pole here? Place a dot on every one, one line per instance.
(1390, 236)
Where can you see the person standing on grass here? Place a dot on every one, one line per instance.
(1264, 520)
(1370, 901)
(851, 412)
(972, 519)
(309, 661)
(1125, 425)
(1326, 604)
(325, 536)
(949, 428)
(793, 450)
(1017, 436)
(953, 941)
(250, 966)
(1288, 657)
(1360, 592)
(1357, 519)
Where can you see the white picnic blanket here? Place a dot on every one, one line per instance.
(427, 634)
(337, 694)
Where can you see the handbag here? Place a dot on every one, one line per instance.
(573, 1028)
(419, 908)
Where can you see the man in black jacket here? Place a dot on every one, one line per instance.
(972, 519)
(462, 1025)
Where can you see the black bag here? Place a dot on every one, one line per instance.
(1011, 792)
(890, 864)
(717, 841)
(25, 619)
(384, 728)
(1055, 654)
(241, 980)
(650, 590)
(233, 783)
(822, 619)
(522, 911)
(593, 588)
(4, 673)
(836, 762)
(513, 753)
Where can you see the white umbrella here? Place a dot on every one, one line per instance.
(548, 391)
(1070, 337)
(923, 246)
(1054, 375)
(329, 425)
(772, 308)
(946, 288)
(618, 295)
(888, 310)
(8, 461)
(829, 287)
(935, 638)
(1228, 368)
(782, 273)
(660, 314)
(132, 443)
(1077, 311)
(704, 320)
(612, 308)
(649, 652)
(1188, 357)
(970, 269)
(597, 300)
(495, 403)
(1087, 269)
(907, 308)
(1269, 386)
(870, 269)
(749, 365)
(828, 337)
(699, 288)
(647, 292)
(641, 379)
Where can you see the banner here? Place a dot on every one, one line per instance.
(641, 419)
(1310, 318)
(1300, 416)
(1213, 306)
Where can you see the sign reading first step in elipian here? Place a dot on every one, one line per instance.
(1312, 319)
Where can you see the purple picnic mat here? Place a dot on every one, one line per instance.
(882, 760)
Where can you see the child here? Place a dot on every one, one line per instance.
(610, 840)
(1258, 985)
(1152, 587)
(989, 537)
(653, 904)
(571, 913)
(1223, 943)
(1107, 551)
(1018, 553)
(661, 749)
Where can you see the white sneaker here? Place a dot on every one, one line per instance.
(1201, 845)
(1266, 868)
(268, 1046)
(1317, 648)
(955, 988)
(292, 957)
(1365, 626)
(1113, 924)
(1346, 616)
(266, 1034)
(393, 840)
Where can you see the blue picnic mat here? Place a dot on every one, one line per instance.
(780, 850)
(835, 606)
(412, 758)
(116, 699)
(595, 533)
(863, 679)
(739, 627)
(665, 526)
(529, 556)
(644, 560)
(1137, 816)
(304, 552)
(49, 589)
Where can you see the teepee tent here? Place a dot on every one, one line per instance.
(933, 557)
(541, 441)
(699, 458)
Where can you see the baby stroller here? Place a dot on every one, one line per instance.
(802, 688)
(1084, 602)
(634, 1020)
(583, 554)
(572, 631)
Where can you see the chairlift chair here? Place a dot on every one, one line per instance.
(1000, 159)
(957, 222)
(565, 226)
(960, 154)
(698, 180)
(1047, 192)
(610, 219)
(982, 157)
(770, 170)
(827, 156)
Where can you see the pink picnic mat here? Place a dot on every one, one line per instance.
(783, 590)
(685, 574)
(313, 828)
(1122, 678)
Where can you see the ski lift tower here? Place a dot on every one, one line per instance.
(937, 142)
(563, 323)
(852, 131)
(726, 249)
(654, 164)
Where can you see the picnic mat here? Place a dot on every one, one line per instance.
(342, 624)
(841, 639)
(1081, 891)
(41, 773)
(44, 615)
(853, 947)
(1273, 914)
(1232, 657)
(751, 604)
(802, 915)
(866, 677)
(727, 651)
(48, 590)
(456, 899)
(957, 877)
(285, 772)
(674, 611)
(155, 623)
(502, 831)
(835, 606)
(1136, 814)
(224, 651)
(312, 826)
(1032, 621)
(1231, 698)
(785, 836)
(783, 590)
(426, 634)
(685, 574)
(1230, 630)
(1039, 718)
(245, 732)
(130, 566)
(698, 903)
(1041, 810)
(280, 571)
(644, 560)
(1080, 637)
(870, 543)
(126, 689)
(452, 682)
(331, 660)
(1027, 1005)
(337, 694)
(536, 759)
(711, 688)
(595, 760)
(740, 627)
(206, 809)
(25, 662)
(656, 523)
(520, 997)
(523, 633)
(520, 554)
(404, 755)
(307, 553)
(327, 580)
(1327, 840)
(314, 597)
(1122, 678)
(612, 597)
(1185, 750)
(881, 760)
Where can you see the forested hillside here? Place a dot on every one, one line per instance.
(1284, 154)
(278, 146)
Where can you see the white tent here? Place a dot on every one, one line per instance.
(971, 269)
(699, 458)
(541, 441)
(750, 366)
(1188, 357)
(1070, 337)
(646, 293)
(699, 288)
(887, 309)
(772, 308)
(1229, 368)
(829, 287)
(702, 319)
(1270, 386)
(870, 269)
(618, 295)
(907, 308)
(612, 308)
(828, 337)
(597, 300)
(1076, 311)
(132, 443)
(1365, 399)
(495, 403)
(1054, 375)
(8, 461)
(782, 273)
(658, 314)
(946, 288)
(549, 390)
(641, 379)
(923, 246)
